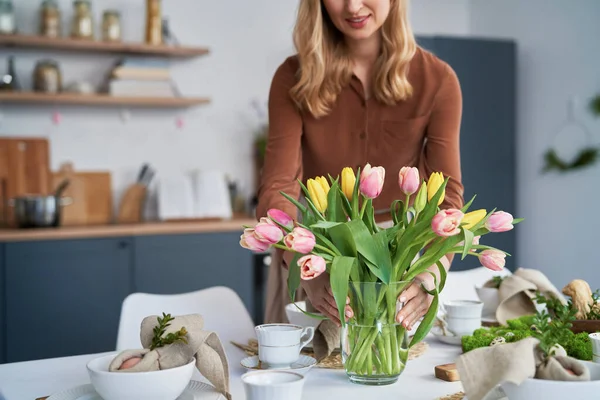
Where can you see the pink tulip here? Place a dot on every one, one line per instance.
(268, 231)
(371, 181)
(447, 222)
(281, 217)
(492, 259)
(408, 179)
(311, 266)
(499, 221)
(249, 240)
(300, 240)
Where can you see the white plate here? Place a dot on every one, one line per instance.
(194, 391)
(302, 366)
(449, 339)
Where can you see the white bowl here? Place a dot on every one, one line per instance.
(167, 384)
(490, 298)
(297, 317)
(545, 389)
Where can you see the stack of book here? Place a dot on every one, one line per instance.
(141, 77)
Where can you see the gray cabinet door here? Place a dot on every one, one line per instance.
(63, 297)
(2, 305)
(486, 70)
(184, 263)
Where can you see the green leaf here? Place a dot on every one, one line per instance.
(427, 322)
(355, 196)
(314, 209)
(340, 274)
(369, 217)
(394, 210)
(466, 206)
(443, 276)
(325, 224)
(468, 239)
(343, 240)
(346, 204)
(432, 207)
(517, 220)
(294, 277)
(294, 202)
(322, 239)
(371, 249)
(335, 207)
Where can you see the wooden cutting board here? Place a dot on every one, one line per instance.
(91, 195)
(24, 170)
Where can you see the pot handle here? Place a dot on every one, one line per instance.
(65, 201)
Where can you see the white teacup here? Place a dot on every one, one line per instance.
(279, 345)
(273, 385)
(595, 339)
(463, 316)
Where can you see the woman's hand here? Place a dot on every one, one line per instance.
(416, 301)
(321, 297)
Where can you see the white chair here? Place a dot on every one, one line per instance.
(222, 309)
(460, 285)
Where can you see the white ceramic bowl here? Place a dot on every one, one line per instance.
(490, 299)
(167, 384)
(545, 389)
(297, 317)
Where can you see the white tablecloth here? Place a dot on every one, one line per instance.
(32, 379)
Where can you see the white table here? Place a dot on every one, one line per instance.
(32, 379)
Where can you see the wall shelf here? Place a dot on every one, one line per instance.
(97, 46)
(100, 100)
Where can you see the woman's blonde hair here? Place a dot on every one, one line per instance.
(325, 66)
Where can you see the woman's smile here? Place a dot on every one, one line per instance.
(358, 22)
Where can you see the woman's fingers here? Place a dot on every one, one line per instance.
(409, 306)
(330, 312)
(415, 315)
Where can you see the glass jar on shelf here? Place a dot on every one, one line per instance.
(50, 22)
(7, 18)
(111, 26)
(83, 22)
(153, 22)
(47, 77)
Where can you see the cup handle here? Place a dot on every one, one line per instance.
(307, 335)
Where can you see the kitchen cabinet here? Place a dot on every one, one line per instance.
(169, 264)
(2, 303)
(486, 71)
(63, 297)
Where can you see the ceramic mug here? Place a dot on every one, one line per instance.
(463, 316)
(595, 339)
(273, 385)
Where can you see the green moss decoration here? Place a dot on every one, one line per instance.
(585, 157)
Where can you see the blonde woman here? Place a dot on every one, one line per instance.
(358, 90)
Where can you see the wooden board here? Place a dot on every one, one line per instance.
(447, 372)
(91, 194)
(100, 100)
(24, 170)
(66, 43)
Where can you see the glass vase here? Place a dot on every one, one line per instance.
(374, 346)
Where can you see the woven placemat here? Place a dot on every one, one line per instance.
(334, 361)
(455, 396)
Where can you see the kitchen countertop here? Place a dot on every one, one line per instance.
(150, 228)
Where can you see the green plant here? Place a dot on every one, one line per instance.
(595, 106)
(551, 332)
(497, 281)
(586, 156)
(594, 309)
(163, 323)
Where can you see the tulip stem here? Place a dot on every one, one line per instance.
(363, 207)
(325, 249)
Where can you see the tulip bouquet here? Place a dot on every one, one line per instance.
(337, 234)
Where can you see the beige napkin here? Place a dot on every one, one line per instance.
(517, 291)
(482, 369)
(327, 335)
(205, 346)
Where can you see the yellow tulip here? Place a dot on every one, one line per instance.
(435, 182)
(317, 190)
(348, 182)
(473, 218)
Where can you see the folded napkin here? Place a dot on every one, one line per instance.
(481, 370)
(517, 291)
(327, 335)
(205, 346)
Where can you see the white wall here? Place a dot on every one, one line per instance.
(248, 40)
(558, 59)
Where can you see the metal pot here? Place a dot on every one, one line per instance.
(40, 211)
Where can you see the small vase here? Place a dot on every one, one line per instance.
(374, 345)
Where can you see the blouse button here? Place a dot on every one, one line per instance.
(362, 135)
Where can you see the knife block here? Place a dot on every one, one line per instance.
(131, 206)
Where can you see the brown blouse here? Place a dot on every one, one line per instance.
(422, 131)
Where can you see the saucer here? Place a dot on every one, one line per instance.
(194, 391)
(448, 339)
(301, 366)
